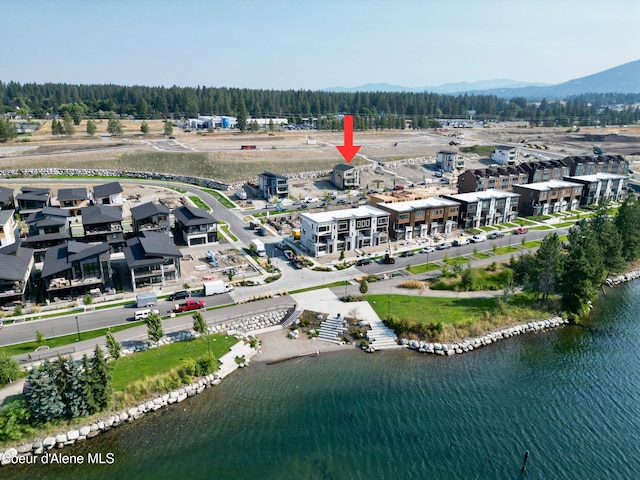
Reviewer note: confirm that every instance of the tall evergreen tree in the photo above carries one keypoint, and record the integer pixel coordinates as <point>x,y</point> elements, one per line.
<point>42,395</point>
<point>67,125</point>
<point>549,264</point>
<point>7,130</point>
<point>154,327</point>
<point>199,323</point>
<point>115,350</point>
<point>241,114</point>
<point>100,379</point>
<point>87,386</point>
<point>144,127</point>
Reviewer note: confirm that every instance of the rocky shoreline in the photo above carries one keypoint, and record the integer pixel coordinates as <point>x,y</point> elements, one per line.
<point>620,279</point>
<point>448,349</point>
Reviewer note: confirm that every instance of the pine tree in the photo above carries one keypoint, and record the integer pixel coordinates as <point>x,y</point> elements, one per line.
<point>199,324</point>
<point>115,350</point>
<point>364,286</point>
<point>42,395</point>
<point>144,127</point>
<point>241,115</point>
<point>67,125</point>
<point>114,126</point>
<point>100,380</point>
<point>87,386</point>
<point>154,327</point>
<point>168,128</point>
<point>7,130</point>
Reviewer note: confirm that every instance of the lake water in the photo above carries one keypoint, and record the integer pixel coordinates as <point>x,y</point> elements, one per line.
<point>571,397</point>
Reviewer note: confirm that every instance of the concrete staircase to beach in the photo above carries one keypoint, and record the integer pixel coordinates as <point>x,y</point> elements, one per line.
<point>331,329</point>
<point>381,337</point>
<point>228,361</point>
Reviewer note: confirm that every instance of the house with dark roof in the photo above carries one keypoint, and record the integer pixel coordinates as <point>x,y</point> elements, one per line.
<point>195,226</point>
<point>581,165</point>
<point>108,194</point>
<point>47,228</point>
<point>498,178</point>
<point>31,199</point>
<point>273,184</point>
<point>545,170</point>
<point>7,199</point>
<point>15,274</point>
<point>420,218</point>
<point>345,176</point>
<point>74,268</point>
<point>103,223</point>
<point>152,259</point>
<point>73,199</point>
<point>8,228</point>
<point>151,217</point>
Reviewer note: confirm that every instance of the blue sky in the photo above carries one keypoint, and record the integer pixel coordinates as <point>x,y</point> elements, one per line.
<point>300,44</point>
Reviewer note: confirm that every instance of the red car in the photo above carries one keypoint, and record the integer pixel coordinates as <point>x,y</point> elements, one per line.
<point>520,231</point>
<point>398,187</point>
<point>191,304</point>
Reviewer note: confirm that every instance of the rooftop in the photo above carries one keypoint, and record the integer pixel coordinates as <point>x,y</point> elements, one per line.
<point>484,195</point>
<point>98,214</point>
<point>360,212</point>
<point>79,193</point>
<point>147,210</point>
<point>550,185</point>
<point>113,188</point>
<point>409,206</point>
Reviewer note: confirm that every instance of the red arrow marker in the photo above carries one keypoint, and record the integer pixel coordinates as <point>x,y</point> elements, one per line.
<point>348,150</point>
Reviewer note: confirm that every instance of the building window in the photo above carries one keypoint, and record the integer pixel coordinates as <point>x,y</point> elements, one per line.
<point>363,223</point>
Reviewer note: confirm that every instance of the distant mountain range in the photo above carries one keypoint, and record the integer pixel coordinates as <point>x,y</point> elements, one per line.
<point>621,79</point>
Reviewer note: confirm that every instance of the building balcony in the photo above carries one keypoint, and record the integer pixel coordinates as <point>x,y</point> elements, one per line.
<point>57,284</point>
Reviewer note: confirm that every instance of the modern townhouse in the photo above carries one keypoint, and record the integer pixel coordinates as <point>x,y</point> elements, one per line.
<point>152,259</point>
<point>488,207</point>
<point>544,198</point>
<point>195,226</point>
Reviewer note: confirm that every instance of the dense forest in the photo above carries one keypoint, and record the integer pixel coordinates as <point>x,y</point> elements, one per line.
<point>371,110</point>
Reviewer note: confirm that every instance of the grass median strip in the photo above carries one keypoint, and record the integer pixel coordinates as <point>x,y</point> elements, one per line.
<point>55,342</point>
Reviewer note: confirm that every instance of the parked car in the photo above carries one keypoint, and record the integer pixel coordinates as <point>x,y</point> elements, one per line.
<point>289,254</point>
<point>143,314</point>
<point>443,246</point>
<point>478,238</point>
<point>520,231</point>
<point>191,304</point>
<point>407,253</point>
<point>494,235</point>
<point>179,295</point>
<point>459,242</point>
<point>363,261</point>
<point>398,187</point>
<point>427,250</point>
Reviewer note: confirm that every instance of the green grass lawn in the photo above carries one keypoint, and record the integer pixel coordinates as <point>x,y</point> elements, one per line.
<point>564,224</point>
<point>199,202</point>
<point>225,228</point>
<point>220,197</point>
<point>341,283</point>
<point>179,190</point>
<point>482,150</point>
<point>532,244</point>
<point>541,227</point>
<point>525,221</point>
<point>504,250</point>
<point>30,347</point>
<point>430,309</point>
<point>423,267</point>
<point>160,360</point>
<point>453,261</point>
<point>481,255</point>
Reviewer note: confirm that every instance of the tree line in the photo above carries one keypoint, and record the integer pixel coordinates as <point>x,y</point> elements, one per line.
<point>375,109</point>
<point>595,248</point>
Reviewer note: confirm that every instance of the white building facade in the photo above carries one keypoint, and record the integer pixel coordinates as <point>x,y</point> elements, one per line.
<point>349,229</point>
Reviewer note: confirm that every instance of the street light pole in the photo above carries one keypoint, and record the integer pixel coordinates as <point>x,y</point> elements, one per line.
<point>78,328</point>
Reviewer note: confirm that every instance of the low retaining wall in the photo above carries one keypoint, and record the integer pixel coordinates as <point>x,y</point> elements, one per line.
<point>473,343</point>
<point>77,172</point>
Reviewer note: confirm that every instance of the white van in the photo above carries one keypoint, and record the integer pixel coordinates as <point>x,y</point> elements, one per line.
<point>143,314</point>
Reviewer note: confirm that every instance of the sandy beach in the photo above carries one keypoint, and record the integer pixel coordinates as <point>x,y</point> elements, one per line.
<point>276,346</point>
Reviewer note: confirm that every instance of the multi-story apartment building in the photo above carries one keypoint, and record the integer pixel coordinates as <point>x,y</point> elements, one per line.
<point>497,178</point>
<point>195,226</point>
<point>505,155</point>
<point>489,207</point>
<point>421,218</point>
<point>543,198</point>
<point>607,187</point>
<point>328,232</point>
<point>588,165</point>
<point>545,170</point>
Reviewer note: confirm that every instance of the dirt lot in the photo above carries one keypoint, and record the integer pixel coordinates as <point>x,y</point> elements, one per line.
<point>218,155</point>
